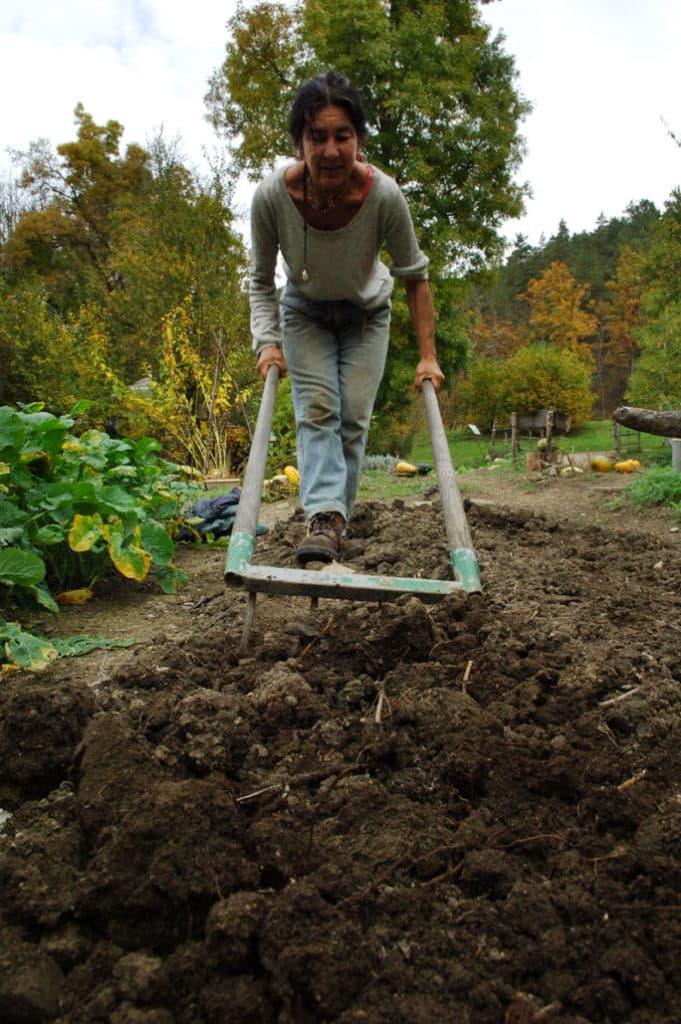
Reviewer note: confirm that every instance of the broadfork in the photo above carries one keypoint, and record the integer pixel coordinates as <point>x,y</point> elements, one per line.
<point>241,573</point>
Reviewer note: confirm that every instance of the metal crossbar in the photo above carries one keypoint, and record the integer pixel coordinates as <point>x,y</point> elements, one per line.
<point>240,572</point>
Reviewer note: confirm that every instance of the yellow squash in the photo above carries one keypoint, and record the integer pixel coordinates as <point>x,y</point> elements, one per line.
<point>600,464</point>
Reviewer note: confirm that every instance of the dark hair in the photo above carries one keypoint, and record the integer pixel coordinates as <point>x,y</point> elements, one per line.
<point>331,89</point>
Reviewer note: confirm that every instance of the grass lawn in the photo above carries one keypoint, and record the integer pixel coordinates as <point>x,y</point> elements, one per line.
<point>470,451</point>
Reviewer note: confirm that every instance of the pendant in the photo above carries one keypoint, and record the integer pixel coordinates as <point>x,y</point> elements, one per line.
<point>304,277</point>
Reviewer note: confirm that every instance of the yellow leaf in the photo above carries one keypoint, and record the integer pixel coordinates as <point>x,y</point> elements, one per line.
<point>81,596</point>
<point>85,531</point>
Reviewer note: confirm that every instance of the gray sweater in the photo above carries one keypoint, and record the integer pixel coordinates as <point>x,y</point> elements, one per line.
<point>342,264</point>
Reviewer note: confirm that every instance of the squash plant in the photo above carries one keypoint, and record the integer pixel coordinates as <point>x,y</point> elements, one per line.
<point>74,508</point>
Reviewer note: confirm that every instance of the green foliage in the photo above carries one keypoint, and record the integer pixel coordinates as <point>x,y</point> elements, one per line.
<point>534,377</point>
<point>282,449</point>
<point>656,380</point>
<point>590,256</point>
<point>29,330</point>
<point>542,377</point>
<point>660,486</point>
<point>114,246</point>
<point>483,394</point>
<point>72,508</point>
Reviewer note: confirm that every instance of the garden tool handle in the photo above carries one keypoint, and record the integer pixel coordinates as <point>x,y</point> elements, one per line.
<point>254,478</point>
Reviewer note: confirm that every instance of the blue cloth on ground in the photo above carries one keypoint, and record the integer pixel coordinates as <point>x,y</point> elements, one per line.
<point>217,517</point>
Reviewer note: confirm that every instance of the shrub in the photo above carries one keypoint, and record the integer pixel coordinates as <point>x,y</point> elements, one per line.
<point>73,509</point>
<point>659,486</point>
<point>545,377</point>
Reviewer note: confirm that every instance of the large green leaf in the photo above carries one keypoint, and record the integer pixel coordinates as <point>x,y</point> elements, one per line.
<point>118,499</point>
<point>47,536</point>
<point>146,446</point>
<point>170,579</point>
<point>21,568</point>
<point>21,477</point>
<point>42,597</point>
<point>45,433</point>
<point>56,494</point>
<point>84,492</point>
<point>157,541</point>
<point>11,514</point>
<point>80,407</point>
<point>123,472</point>
<point>12,430</point>
<point>26,650</point>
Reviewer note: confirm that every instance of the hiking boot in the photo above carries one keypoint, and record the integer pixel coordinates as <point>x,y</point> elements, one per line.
<point>323,541</point>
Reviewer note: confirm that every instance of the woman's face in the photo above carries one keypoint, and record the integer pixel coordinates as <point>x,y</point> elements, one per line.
<point>330,148</point>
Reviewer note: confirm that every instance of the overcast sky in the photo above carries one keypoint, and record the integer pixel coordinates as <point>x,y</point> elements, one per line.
<point>603,76</point>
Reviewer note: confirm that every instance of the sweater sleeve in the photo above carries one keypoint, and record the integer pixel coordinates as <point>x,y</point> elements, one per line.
<point>265,328</point>
<point>408,261</point>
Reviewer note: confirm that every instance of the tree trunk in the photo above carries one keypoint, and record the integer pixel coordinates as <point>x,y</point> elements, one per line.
<point>665,424</point>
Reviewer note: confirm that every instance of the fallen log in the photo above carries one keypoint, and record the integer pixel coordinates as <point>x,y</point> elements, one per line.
<point>664,424</point>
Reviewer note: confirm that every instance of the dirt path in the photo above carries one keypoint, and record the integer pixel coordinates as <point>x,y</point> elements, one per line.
<point>465,812</point>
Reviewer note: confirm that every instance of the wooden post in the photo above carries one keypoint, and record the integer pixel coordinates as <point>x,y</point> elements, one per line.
<point>514,438</point>
<point>676,454</point>
<point>549,434</point>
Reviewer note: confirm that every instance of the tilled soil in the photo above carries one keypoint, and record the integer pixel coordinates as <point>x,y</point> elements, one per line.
<point>461,812</point>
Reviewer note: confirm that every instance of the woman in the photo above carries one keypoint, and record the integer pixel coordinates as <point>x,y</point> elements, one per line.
<point>329,214</point>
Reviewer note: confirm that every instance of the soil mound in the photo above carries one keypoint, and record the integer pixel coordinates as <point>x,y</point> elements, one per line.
<point>464,812</point>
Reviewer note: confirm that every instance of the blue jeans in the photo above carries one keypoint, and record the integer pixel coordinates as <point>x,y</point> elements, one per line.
<point>335,353</point>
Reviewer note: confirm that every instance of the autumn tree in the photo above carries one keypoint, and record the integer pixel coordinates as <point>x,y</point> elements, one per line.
<point>621,313</point>
<point>176,241</point>
<point>12,206</point>
<point>133,234</point>
<point>113,249</point>
<point>75,193</point>
<point>491,336</point>
<point>619,317</point>
<point>560,313</point>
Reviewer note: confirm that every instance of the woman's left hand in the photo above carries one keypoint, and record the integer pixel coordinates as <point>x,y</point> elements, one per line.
<point>428,369</point>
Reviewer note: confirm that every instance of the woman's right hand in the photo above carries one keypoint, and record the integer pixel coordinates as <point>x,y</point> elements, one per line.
<point>271,355</point>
